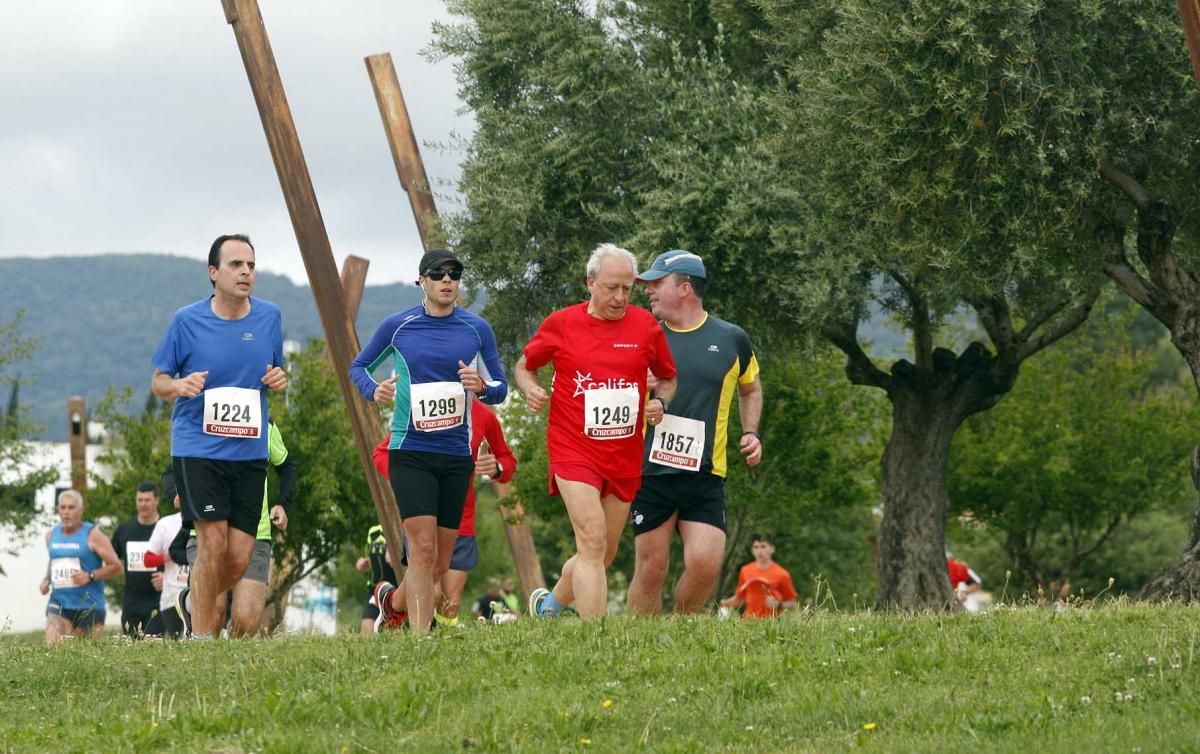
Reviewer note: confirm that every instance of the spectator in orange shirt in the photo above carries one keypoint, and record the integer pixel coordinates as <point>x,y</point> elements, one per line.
<point>764,587</point>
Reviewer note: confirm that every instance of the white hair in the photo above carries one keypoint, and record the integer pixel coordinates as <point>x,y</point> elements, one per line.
<point>607,251</point>
<point>71,493</point>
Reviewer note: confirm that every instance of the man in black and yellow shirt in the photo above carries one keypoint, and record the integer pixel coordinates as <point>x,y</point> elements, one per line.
<point>683,477</point>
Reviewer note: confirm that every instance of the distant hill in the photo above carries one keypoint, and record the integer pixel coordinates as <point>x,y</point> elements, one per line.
<point>99,318</point>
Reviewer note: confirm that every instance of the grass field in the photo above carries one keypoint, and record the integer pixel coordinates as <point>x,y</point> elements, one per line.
<point>1117,678</point>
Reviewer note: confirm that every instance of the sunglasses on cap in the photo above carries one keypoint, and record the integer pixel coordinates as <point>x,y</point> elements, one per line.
<point>455,273</point>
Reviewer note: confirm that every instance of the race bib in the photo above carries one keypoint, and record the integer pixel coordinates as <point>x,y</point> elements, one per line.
<point>181,575</point>
<point>610,413</point>
<point>135,557</point>
<point>678,443</point>
<point>438,405</point>
<point>232,412</point>
<point>61,571</point>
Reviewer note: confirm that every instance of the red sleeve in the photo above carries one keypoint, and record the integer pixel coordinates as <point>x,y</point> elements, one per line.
<point>504,456</point>
<point>153,559</point>
<point>381,456</point>
<point>663,363</point>
<point>540,349</point>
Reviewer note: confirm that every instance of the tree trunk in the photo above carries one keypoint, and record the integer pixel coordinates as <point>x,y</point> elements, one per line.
<point>912,555</point>
<point>1182,580</point>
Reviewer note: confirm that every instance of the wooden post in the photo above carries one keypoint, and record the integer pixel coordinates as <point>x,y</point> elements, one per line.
<point>354,280</point>
<point>411,171</point>
<point>405,152</point>
<point>77,437</point>
<point>340,336</point>
<point>1189,14</point>
<point>520,541</point>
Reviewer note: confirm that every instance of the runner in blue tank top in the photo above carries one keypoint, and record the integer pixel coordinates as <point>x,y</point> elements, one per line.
<point>444,357</point>
<point>81,558</point>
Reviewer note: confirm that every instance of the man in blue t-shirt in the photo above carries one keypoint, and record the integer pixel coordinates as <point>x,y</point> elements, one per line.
<point>217,360</point>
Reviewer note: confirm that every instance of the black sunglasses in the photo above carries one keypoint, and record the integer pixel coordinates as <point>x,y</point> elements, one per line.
<point>455,273</point>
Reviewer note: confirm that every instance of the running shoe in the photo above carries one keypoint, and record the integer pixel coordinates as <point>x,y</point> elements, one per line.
<point>389,619</point>
<point>181,610</point>
<point>536,598</point>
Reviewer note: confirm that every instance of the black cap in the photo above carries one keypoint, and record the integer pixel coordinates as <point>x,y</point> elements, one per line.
<point>436,258</point>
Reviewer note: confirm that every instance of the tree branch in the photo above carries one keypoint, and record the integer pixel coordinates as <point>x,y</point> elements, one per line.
<point>1040,318</point>
<point>1080,555</point>
<point>1125,182</point>
<point>922,327</point>
<point>859,368</point>
<point>1075,316</point>
<point>996,318</point>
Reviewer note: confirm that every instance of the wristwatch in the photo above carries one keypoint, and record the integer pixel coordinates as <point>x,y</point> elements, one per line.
<point>664,403</point>
<point>91,577</point>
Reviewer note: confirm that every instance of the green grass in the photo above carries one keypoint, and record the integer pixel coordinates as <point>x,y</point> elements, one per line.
<point>1117,678</point>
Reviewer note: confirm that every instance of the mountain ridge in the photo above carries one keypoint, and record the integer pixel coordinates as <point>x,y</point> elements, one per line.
<point>98,318</point>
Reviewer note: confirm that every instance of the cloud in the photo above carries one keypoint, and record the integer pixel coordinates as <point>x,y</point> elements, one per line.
<point>130,126</point>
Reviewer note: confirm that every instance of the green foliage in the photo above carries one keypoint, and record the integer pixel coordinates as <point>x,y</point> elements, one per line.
<point>818,480</point>
<point>138,450</point>
<point>1085,445</point>
<point>20,479</point>
<point>1109,679</point>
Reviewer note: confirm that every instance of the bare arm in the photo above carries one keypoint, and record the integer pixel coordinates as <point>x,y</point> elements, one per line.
<point>734,601</point>
<point>44,587</point>
<point>664,388</point>
<point>750,403</point>
<point>526,379</point>
<point>101,545</point>
<point>168,388</point>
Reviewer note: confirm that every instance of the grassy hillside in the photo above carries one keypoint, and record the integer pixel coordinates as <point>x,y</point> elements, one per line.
<point>1112,679</point>
<point>99,318</point>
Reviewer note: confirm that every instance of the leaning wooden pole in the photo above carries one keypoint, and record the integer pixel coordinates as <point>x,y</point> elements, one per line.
<point>354,281</point>
<point>406,154</point>
<point>1189,14</point>
<point>340,336</point>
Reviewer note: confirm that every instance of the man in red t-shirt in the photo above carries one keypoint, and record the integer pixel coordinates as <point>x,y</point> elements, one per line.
<point>492,459</point>
<point>764,586</point>
<point>602,351</point>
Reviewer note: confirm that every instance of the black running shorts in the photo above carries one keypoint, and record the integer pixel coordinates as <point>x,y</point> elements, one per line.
<point>430,484</point>
<point>230,491</point>
<point>697,495</point>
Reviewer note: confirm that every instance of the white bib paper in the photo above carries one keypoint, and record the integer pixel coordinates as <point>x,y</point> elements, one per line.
<point>678,443</point>
<point>61,571</point>
<point>438,405</point>
<point>135,556</point>
<point>610,413</point>
<point>232,412</point>
<point>181,574</point>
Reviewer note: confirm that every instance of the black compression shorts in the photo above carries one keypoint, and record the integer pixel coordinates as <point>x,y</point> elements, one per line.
<point>430,484</point>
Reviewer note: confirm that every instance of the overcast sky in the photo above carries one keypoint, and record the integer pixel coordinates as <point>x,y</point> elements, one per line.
<point>129,126</point>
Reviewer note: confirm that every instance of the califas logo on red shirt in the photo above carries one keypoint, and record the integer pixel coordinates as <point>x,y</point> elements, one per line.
<point>585,382</point>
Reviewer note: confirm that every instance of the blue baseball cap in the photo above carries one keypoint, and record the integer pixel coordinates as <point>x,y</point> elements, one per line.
<point>675,260</point>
